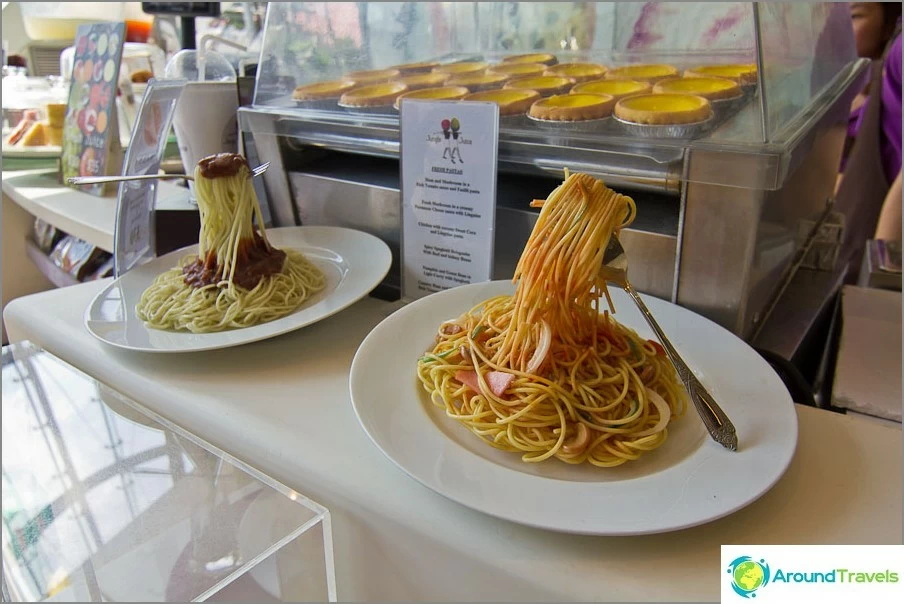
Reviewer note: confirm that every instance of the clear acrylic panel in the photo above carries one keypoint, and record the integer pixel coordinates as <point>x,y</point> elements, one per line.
<point>104,500</point>
<point>804,46</point>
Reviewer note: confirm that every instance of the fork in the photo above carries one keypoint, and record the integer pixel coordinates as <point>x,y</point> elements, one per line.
<point>615,269</point>
<point>94,180</point>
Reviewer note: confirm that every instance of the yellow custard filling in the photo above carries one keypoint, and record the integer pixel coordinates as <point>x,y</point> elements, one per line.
<point>518,69</point>
<point>371,76</point>
<point>416,67</point>
<point>614,87</point>
<point>726,71</point>
<point>541,83</point>
<point>377,90</point>
<point>577,69</point>
<point>446,92</point>
<point>502,96</point>
<point>545,58</point>
<point>664,102</point>
<point>424,80</point>
<point>721,87</point>
<point>642,72</point>
<point>474,79</point>
<point>459,68</point>
<point>322,89</point>
<point>575,100</point>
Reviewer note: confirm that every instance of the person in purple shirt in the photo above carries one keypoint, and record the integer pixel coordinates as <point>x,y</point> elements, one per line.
<point>877,27</point>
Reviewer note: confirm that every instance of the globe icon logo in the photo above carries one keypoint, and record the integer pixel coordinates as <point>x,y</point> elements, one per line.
<point>748,575</point>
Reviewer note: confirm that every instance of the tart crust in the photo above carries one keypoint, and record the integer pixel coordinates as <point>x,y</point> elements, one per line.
<point>663,109</point>
<point>371,76</point>
<point>413,68</point>
<point>518,70</point>
<point>377,95</point>
<point>476,82</point>
<point>511,102</point>
<point>541,57</point>
<point>445,93</point>
<point>423,80</point>
<point>462,68</point>
<point>742,73</point>
<point>714,89</point>
<point>648,72</point>
<point>545,85</point>
<point>616,88</point>
<point>573,107</point>
<point>579,72</point>
<point>319,91</point>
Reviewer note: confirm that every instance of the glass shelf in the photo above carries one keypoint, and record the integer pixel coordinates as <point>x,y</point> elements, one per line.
<point>103,500</point>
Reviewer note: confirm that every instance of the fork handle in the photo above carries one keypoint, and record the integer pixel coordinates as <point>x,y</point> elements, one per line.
<point>717,423</point>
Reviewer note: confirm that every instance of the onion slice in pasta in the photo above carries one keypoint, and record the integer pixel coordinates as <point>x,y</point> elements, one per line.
<point>665,414</point>
<point>542,348</point>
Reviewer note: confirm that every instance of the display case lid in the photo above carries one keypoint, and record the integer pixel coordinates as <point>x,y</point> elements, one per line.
<point>105,500</point>
<point>797,62</point>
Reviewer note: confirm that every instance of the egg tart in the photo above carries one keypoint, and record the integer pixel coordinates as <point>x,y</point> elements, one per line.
<point>412,68</point>
<point>319,91</point>
<point>372,76</point>
<point>423,80</point>
<point>645,72</point>
<point>518,70</point>
<point>663,109</point>
<point>615,88</point>
<point>477,82</point>
<point>377,95</point>
<point>511,102</point>
<point>714,89</point>
<point>445,93</point>
<point>743,74</point>
<point>540,57</point>
<point>579,72</point>
<point>545,85</point>
<point>462,68</point>
<point>573,107</point>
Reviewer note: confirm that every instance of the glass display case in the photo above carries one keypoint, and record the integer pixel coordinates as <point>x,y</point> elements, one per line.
<point>103,501</point>
<point>795,66</point>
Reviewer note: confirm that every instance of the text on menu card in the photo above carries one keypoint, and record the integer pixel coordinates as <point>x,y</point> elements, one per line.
<point>448,165</point>
<point>133,230</point>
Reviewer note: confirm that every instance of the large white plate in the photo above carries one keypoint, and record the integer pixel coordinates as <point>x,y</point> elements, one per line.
<point>688,481</point>
<point>354,263</point>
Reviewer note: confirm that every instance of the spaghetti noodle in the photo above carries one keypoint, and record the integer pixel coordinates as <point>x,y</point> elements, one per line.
<point>237,279</point>
<point>544,373</point>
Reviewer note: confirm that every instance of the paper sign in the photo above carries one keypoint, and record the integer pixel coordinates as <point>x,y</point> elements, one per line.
<point>90,134</point>
<point>449,152</point>
<point>133,232</point>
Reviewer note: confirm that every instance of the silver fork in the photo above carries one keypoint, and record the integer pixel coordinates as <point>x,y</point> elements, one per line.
<point>615,269</point>
<point>94,180</point>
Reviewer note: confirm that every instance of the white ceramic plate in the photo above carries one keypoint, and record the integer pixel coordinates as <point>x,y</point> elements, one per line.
<point>354,263</point>
<point>688,481</point>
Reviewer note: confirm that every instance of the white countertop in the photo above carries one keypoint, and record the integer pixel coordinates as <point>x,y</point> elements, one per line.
<point>283,406</point>
<point>75,212</point>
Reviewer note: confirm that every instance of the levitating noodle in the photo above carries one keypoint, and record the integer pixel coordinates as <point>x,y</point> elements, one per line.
<point>544,372</point>
<point>237,279</point>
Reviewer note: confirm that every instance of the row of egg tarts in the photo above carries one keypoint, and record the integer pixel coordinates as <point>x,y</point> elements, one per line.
<point>545,89</point>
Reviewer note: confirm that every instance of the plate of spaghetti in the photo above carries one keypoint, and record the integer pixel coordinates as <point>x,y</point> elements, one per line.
<point>535,401</point>
<point>241,283</point>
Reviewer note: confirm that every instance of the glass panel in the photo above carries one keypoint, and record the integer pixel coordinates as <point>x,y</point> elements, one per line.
<point>104,500</point>
<point>804,46</point>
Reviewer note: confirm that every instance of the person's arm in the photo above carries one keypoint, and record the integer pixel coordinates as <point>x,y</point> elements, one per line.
<point>889,226</point>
